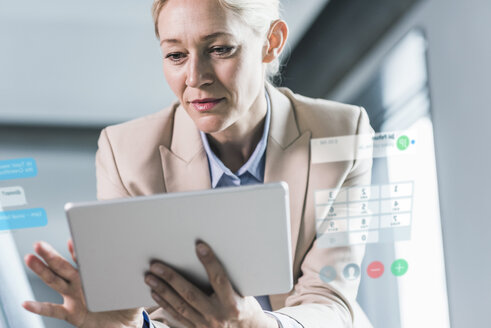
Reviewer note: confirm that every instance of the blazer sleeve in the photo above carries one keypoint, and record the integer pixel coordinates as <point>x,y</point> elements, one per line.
<point>109,183</point>
<point>314,303</point>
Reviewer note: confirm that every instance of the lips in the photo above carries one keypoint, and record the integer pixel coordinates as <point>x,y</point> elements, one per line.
<point>205,104</point>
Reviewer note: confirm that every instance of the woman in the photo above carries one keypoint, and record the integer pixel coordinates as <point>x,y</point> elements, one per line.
<point>229,127</point>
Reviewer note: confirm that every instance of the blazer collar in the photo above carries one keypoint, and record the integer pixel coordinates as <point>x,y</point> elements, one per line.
<point>184,163</point>
<point>283,129</point>
<point>186,140</point>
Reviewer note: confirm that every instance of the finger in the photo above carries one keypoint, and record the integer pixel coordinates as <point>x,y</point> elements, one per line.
<point>55,261</point>
<point>46,309</point>
<point>189,292</point>
<point>71,249</point>
<point>165,292</point>
<point>171,311</point>
<point>218,277</point>
<point>49,277</point>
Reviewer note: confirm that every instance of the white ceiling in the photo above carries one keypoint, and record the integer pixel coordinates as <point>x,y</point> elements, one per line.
<point>90,62</point>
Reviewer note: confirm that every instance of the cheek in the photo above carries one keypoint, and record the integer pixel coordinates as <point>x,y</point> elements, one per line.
<point>239,74</point>
<point>175,79</point>
<point>250,73</point>
<point>229,73</point>
<point>252,65</point>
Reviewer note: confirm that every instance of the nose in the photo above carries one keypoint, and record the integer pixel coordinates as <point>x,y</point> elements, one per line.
<point>199,72</point>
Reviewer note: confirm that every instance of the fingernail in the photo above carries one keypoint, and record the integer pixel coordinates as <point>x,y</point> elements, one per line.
<point>43,245</point>
<point>152,282</point>
<point>202,249</point>
<point>157,268</point>
<point>32,306</point>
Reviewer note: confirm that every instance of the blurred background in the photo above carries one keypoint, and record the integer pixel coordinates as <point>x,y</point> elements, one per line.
<point>69,68</point>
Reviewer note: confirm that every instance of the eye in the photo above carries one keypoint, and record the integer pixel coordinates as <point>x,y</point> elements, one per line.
<point>175,57</point>
<point>222,50</point>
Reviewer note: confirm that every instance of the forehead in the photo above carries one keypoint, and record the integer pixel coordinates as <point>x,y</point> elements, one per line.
<point>190,19</point>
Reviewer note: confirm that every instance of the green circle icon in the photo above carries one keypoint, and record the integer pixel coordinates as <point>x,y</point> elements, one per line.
<point>402,142</point>
<point>399,267</point>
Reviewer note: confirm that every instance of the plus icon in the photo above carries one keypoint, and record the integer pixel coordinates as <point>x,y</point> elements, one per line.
<point>399,267</point>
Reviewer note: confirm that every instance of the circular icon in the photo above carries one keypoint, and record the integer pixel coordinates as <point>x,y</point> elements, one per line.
<point>399,267</point>
<point>328,274</point>
<point>402,142</point>
<point>351,271</point>
<point>375,269</point>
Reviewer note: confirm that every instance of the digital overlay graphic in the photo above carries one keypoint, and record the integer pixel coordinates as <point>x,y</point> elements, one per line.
<point>14,211</point>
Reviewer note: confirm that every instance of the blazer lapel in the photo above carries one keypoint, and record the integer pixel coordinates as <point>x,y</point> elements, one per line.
<point>185,164</point>
<point>288,157</point>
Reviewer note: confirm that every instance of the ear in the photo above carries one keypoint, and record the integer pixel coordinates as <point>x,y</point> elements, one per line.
<point>277,35</point>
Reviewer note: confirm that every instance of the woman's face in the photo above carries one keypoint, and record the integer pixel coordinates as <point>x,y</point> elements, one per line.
<point>213,63</point>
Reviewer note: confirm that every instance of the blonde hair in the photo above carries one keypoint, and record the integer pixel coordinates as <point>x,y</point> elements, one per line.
<point>257,14</point>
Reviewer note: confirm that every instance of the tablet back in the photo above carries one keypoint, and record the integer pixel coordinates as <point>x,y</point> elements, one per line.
<point>247,227</point>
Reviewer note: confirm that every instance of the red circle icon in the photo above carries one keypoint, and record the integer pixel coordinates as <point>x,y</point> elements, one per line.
<point>375,269</point>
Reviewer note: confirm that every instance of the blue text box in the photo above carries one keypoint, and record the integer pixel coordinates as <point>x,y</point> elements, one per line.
<point>19,219</point>
<point>18,168</point>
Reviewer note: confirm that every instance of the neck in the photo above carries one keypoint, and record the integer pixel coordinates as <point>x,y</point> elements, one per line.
<point>235,145</point>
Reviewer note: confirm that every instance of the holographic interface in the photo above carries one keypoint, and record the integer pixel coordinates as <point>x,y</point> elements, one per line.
<point>364,214</point>
<point>14,198</point>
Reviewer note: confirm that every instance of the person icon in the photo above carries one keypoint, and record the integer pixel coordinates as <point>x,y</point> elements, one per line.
<point>351,271</point>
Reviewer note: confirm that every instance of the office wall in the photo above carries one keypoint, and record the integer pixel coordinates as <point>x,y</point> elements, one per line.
<point>78,63</point>
<point>459,53</point>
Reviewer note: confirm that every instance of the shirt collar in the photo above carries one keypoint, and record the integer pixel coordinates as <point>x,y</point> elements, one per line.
<point>255,163</point>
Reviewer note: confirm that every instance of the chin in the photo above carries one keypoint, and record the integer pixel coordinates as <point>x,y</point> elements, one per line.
<point>210,125</point>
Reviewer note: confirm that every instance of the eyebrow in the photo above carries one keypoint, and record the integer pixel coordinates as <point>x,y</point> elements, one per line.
<point>204,38</point>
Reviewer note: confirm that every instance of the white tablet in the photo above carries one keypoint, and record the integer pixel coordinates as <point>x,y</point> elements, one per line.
<point>247,227</point>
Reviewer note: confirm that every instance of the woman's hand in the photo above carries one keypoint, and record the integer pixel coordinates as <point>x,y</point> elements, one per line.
<point>190,306</point>
<point>61,276</point>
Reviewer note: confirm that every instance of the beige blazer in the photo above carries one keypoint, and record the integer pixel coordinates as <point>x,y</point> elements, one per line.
<point>163,153</point>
